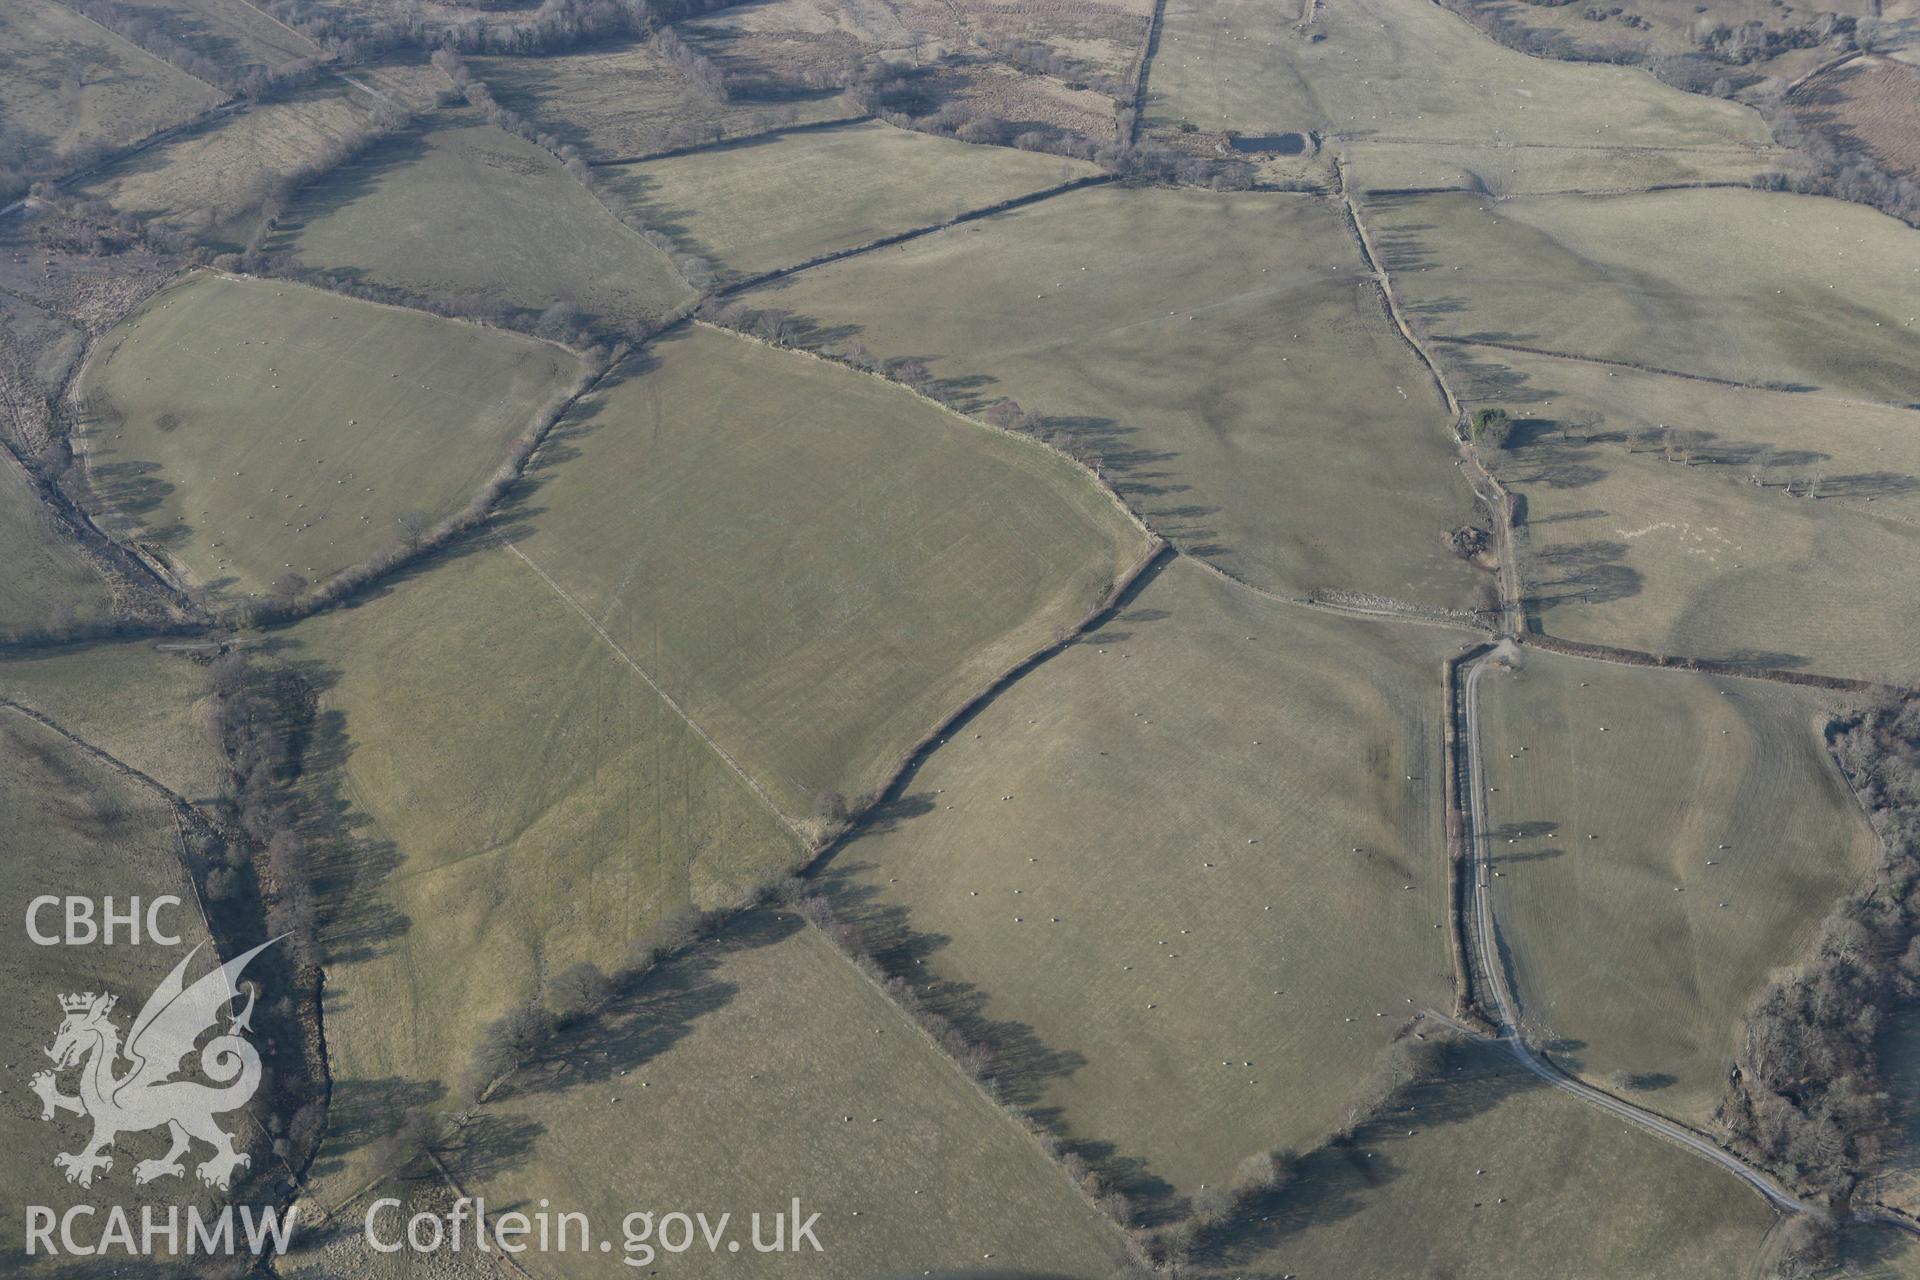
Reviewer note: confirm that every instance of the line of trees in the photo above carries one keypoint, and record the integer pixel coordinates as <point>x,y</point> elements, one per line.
<point>696,270</point>
<point>293,597</point>
<point>973,1055</point>
<point>1807,1097</point>
<point>260,882</point>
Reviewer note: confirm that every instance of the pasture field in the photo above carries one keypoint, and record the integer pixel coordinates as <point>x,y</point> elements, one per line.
<point>1624,547</point>
<point>233,34</point>
<point>1755,287</point>
<point>781,201</point>
<point>1534,170</point>
<point>67,84</point>
<point>1196,856</point>
<point>465,210</point>
<point>250,428</point>
<point>209,182</point>
<point>1241,386</point>
<point>817,565</point>
<point>72,825</point>
<point>498,803</point>
<point>45,571</point>
<point>1409,71</point>
<point>764,1067</point>
<point>616,102</point>
<point>1484,1171</point>
<point>1663,843</point>
<point>141,704</point>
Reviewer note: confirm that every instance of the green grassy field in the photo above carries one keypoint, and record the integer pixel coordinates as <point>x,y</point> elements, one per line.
<point>1404,70</point>
<point>1721,837</point>
<point>66,83</point>
<point>248,428</point>
<point>617,102</point>
<point>1752,286</point>
<point>45,572</point>
<point>1527,170</point>
<point>1624,547</point>
<point>210,181</point>
<point>139,703</point>
<point>74,826</point>
<point>497,804</point>
<point>761,205</point>
<point>1241,385</point>
<point>762,1068</point>
<point>464,210</point>
<point>1184,860</point>
<point>818,566</point>
<point>1483,1171</point>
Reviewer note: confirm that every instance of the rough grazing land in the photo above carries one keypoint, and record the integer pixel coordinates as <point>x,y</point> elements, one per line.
<point>1197,855</point>
<point>1241,385</point>
<point>1409,71</point>
<point>765,1067</point>
<point>1752,286</point>
<point>141,704</point>
<point>818,566</point>
<point>1874,104</point>
<point>234,34</point>
<point>250,428</point>
<point>1484,1171</point>
<point>210,181</point>
<point>1663,842</point>
<point>465,211</point>
<point>759,206</point>
<point>1679,516</point>
<point>67,84</point>
<point>72,825</point>
<point>619,101</point>
<point>501,796</point>
<point>45,572</point>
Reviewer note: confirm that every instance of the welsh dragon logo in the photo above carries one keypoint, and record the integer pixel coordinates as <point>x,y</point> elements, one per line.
<point>146,1095</point>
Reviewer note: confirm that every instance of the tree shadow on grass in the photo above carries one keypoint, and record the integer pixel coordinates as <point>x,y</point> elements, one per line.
<point>1351,1176</point>
<point>648,1015</point>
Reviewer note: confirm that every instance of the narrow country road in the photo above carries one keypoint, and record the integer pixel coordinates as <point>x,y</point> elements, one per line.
<point>1493,978</point>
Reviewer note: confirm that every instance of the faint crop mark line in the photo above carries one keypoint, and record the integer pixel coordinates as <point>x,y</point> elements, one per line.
<point>663,695</point>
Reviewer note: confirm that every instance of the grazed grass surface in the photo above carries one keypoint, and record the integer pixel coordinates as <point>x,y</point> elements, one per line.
<point>1240,384</point>
<point>1182,860</point>
<point>1623,546</point>
<point>141,704</point>
<point>234,34</point>
<point>767,1045</point>
<point>1483,1170</point>
<point>1636,939</point>
<point>762,205</point>
<point>496,806</point>
<point>817,565</point>
<point>73,826</point>
<point>1753,286</point>
<point>464,211</point>
<point>1506,171</point>
<point>44,571</point>
<point>249,428</point>
<point>66,83</point>
<point>619,101</point>
<point>1407,70</point>
<point>210,181</point>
